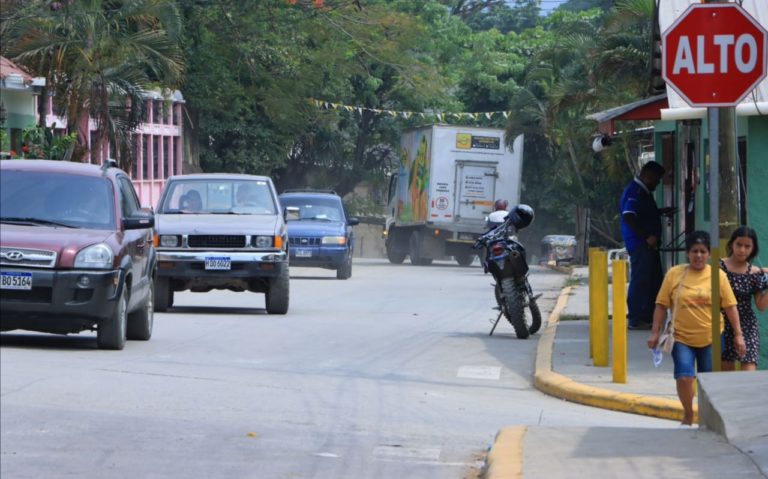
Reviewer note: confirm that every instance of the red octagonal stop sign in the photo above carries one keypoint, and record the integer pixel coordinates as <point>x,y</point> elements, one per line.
<point>714,54</point>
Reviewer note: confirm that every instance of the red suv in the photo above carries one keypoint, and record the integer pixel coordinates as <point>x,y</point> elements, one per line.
<point>76,251</point>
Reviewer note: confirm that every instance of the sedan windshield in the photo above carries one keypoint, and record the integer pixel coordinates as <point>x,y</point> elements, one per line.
<point>43,198</point>
<point>316,209</point>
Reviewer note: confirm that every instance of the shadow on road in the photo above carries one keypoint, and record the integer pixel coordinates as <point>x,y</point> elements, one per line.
<point>48,341</point>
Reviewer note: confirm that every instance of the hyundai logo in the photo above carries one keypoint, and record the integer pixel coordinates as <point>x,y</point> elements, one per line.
<point>14,255</point>
<point>304,241</point>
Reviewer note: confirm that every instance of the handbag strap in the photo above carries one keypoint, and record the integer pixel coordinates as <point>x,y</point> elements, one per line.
<point>676,301</point>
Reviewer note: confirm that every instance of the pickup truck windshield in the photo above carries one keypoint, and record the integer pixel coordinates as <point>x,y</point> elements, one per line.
<point>248,197</point>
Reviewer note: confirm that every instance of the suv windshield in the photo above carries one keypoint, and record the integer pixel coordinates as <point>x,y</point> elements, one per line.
<point>319,209</point>
<point>46,198</point>
<point>218,197</point>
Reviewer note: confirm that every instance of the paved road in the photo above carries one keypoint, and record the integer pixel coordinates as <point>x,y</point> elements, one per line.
<point>388,374</point>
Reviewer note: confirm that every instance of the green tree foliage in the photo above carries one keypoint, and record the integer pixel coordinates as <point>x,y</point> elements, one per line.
<point>98,58</point>
<point>251,95</point>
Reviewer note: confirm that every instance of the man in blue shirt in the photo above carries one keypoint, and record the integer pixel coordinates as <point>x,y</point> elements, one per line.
<point>641,230</point>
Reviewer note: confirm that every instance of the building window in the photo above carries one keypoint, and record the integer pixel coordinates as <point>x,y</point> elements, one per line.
<point>156,149</point>
<point>145,156</point>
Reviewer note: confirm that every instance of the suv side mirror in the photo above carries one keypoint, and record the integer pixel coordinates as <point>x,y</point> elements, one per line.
<point>353,220</point>
<point>291,213</point>
<point>139,220</point>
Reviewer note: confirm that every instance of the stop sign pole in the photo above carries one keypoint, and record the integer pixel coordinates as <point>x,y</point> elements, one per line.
<point>713,55</point>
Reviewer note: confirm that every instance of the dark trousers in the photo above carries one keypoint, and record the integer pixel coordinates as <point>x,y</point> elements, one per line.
<point>644,283</point>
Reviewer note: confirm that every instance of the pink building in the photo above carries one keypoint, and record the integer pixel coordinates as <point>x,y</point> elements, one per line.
<point>159,145</point>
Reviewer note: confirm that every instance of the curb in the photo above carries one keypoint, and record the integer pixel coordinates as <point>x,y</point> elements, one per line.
<point>505,460</point>
<point>563,387</point>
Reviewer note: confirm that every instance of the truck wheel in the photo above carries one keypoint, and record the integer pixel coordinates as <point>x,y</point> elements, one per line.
<point>110,333</point>
<point>140,322</point>
<point>395,257</point>
<point>163,295</point>
<point>344,271</point>
<point>276,297</point>
<point>465,259</point>
<point>414,250</point>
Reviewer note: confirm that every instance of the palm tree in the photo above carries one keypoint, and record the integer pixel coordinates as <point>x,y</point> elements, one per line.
<point>98,58</point>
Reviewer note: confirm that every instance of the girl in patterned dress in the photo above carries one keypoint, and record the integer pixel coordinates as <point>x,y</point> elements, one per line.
<point>747,281</point>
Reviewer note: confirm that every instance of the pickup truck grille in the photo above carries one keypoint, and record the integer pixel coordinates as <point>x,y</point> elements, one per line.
<point>304,241</point>
<point>216,241</point>
<point>34,258</point>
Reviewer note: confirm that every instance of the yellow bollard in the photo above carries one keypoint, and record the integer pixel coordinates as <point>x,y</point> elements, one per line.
<point>591,262</point>
<point>619,321</point>
<point>600,319</point>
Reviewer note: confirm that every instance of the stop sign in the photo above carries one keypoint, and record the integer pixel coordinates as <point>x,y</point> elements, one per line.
<point>714,54</point>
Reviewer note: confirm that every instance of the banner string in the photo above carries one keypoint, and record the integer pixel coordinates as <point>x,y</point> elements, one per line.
<point>440,115</point>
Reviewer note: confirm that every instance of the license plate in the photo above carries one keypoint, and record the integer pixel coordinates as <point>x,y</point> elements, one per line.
<point>303,253</point>
<point>15,280</point>
<point>221,263</point>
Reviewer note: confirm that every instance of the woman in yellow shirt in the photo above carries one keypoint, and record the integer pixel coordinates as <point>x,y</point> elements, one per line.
<point>692,351</point>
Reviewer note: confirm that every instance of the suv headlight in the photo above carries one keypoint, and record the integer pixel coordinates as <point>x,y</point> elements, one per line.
<point>338,240</point>
<point>169,241</point>
<point>262,241</point>
<point>98,256</point>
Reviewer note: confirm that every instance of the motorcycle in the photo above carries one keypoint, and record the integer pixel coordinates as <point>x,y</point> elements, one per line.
<point>505,259</point>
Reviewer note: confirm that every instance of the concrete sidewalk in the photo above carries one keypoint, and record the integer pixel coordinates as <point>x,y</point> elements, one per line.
<point>731,442</point>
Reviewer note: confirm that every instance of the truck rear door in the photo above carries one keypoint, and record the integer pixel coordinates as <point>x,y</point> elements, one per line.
<point>476,184</point>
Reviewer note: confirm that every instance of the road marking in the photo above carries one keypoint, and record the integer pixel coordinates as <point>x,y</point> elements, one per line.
<point>428,453</point>
<point>479,372</point>
<point>326,454</point>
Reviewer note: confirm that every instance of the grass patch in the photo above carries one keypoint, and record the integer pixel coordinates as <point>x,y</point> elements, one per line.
<point>571,281</point>
<point>573,317</point>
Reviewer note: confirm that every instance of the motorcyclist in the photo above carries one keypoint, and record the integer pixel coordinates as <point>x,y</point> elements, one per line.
<point>497,216</point>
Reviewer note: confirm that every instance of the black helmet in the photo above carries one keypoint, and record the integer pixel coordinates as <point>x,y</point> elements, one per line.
<point>500,205</point>
<point>521,216</point>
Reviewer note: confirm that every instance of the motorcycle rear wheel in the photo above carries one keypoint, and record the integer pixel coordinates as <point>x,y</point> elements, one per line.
<point>513,304</point>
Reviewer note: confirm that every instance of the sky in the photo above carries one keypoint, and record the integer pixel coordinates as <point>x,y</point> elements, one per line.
<point>546,5</point>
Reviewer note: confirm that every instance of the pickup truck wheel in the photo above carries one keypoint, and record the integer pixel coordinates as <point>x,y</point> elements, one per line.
<point>345,270</point>
<point>140,322</point>
<point>163,295</point>
<point>276,297</point>
<point>110,333</point>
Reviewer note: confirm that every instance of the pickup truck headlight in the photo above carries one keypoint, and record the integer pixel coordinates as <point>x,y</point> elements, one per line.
<point>169,241</point>
<point>337,240</point>
<point>98,256</point>
<point>262,241</point>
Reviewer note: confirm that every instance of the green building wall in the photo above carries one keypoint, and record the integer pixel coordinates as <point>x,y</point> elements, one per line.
<point>756,130</point>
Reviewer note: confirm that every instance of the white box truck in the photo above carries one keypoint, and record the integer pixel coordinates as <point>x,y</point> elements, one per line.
<point>446,184</point>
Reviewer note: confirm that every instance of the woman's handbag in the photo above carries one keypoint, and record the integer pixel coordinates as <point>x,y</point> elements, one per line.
<point>667,338</point>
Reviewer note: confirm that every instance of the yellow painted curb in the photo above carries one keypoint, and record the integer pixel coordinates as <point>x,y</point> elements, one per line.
<point>505,461</point>
<point>563,387</point>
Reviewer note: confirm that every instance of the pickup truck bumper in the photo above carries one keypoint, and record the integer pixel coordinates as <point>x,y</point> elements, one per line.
<point>244,265</point>
<point>61,301</point>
